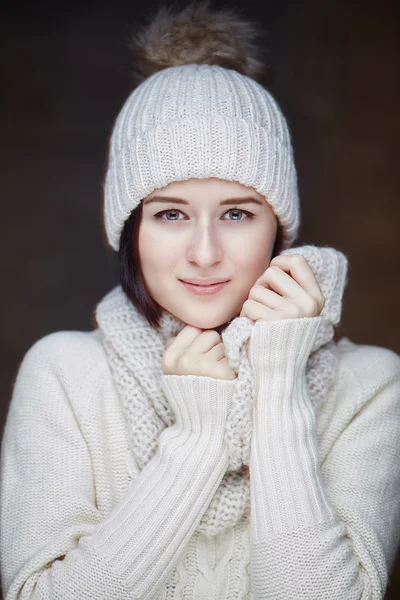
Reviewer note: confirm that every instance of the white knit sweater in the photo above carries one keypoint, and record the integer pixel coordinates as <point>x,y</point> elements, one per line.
<point>325,491</point>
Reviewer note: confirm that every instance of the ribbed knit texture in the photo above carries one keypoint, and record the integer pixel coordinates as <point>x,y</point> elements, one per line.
<point>200,121</point>
<point>279,367</point>
<point>81,519</point>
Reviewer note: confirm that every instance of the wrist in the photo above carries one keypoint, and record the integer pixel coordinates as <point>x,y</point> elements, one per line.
<point>199,403</point>
<point>283,344</point>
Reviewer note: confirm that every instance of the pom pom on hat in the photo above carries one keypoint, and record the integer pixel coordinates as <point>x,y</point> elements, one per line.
<point>198,35</point>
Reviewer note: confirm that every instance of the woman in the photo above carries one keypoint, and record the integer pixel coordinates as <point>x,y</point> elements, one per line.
<point>209,439</point>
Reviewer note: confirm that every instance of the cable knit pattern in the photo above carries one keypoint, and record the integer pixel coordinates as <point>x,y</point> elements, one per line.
<point>135,350</point>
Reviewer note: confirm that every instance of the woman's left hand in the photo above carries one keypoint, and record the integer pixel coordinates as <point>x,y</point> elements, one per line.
<point>287,289</point>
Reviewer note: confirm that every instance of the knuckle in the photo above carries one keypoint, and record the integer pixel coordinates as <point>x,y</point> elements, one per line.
<point>183,362</point>
<point>313,306</point>
<point>166,368</point>
<point>201,368</point>
<point>297,313</point>
<point>165,362</point>
<point>298,259</point>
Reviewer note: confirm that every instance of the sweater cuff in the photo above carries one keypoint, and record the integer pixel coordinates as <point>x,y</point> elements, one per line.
<point>287,489</point>
<point>282,345</point>
<point>200,403</point>
<point>147,531</point>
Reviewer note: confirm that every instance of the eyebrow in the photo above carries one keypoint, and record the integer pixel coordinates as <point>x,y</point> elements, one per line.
<point>169,199</point>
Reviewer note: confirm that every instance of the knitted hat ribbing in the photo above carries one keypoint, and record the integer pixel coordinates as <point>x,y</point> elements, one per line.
<point>200,121</point>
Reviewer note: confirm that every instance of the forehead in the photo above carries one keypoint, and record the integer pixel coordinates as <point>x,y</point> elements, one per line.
<point>212,187</point>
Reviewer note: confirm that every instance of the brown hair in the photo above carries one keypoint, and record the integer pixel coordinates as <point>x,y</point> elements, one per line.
<point>130,271</point>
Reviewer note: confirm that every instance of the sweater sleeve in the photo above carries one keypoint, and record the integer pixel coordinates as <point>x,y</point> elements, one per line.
<point>307,542</point>
<point>54,542</point>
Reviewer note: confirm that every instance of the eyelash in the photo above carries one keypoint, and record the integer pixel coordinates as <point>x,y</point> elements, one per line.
<point>163,212</point>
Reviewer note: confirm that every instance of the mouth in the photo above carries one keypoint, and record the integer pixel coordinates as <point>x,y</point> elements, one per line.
<point>204,290</point>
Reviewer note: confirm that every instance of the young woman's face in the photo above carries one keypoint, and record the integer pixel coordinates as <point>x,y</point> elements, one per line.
<point>203,231</point>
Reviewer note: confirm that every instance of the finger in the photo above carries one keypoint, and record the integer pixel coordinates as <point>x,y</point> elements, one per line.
<point>284,284</point>
<point>297,266</point>
<point>183,340</point>
<point>266,296</point>
<point>170,341</point>
<point>205,341</point>
<point>224,371</point>
<point>257,311</point>
<point>217,352</point>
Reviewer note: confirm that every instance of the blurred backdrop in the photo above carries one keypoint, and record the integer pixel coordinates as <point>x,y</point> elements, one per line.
<point>66,71</point>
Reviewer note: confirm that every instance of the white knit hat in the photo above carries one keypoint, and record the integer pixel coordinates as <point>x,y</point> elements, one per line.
<point>200,121</point>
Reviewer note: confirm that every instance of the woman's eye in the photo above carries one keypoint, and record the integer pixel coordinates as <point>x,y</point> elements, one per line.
<point>165,212</point>
<point>234,211</point>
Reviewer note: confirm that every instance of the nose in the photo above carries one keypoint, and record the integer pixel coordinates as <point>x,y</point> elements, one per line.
<point>204,246</point>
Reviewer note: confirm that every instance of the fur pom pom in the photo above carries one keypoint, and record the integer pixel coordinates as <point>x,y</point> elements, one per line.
<point>197,34</point>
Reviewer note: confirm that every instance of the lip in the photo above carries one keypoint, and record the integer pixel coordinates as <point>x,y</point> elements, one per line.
<point>204,290</point>
<point>205,282</point>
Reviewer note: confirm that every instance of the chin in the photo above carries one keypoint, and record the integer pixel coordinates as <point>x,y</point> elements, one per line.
<point>206,322</point>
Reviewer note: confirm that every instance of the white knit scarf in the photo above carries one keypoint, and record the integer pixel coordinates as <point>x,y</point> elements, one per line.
<point>134,350</point>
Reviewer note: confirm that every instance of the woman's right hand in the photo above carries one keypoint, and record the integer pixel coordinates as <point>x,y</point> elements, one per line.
<point>196,351</point>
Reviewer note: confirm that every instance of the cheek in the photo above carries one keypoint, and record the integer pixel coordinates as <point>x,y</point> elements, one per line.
<point>155,256</point>
<point>253,253</point>
<point>251,259</point>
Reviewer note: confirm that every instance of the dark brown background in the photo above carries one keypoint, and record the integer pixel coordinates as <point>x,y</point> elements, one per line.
<point>65,74</point>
